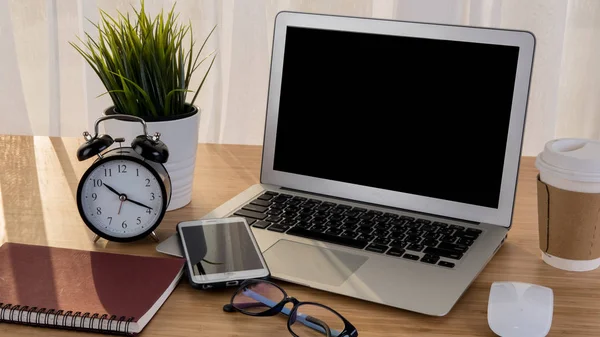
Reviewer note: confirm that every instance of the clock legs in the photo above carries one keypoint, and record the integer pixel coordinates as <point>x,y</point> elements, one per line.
<point>152,235</point>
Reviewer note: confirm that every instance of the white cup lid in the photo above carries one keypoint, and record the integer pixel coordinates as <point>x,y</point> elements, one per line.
<point>577,158</point>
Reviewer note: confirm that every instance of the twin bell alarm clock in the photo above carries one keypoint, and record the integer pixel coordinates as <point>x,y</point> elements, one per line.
<point>124,194</point>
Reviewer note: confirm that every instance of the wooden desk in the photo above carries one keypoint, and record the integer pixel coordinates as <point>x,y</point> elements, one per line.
<point>38,181</point>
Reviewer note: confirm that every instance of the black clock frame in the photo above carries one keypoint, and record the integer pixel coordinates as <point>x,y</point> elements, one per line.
<point>111,157</point>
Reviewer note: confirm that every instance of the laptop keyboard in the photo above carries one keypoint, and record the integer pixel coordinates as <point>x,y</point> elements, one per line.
<point>372,230</point>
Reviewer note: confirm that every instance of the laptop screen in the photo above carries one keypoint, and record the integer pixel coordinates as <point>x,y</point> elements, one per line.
<point>420,116</point>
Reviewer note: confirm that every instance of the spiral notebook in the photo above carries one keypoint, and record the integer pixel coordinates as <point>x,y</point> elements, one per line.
<point>82,290</point>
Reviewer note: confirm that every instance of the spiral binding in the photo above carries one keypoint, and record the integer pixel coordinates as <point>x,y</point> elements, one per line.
<point>23,315</point>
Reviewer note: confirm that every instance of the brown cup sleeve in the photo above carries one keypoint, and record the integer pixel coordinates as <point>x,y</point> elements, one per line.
<point>569,222</point>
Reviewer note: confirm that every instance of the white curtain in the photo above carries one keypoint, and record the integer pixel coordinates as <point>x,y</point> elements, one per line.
<point>47,89</point>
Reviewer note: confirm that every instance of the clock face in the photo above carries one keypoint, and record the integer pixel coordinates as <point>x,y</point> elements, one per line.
<point>121,198</point>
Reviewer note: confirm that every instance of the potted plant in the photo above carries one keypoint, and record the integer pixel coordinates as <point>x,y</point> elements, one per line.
<point>146,65</point>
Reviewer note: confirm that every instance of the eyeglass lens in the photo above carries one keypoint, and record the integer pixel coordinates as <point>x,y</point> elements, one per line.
<point>312,320</point>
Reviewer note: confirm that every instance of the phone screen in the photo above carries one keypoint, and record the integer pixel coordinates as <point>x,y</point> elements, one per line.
<point>220,248</point>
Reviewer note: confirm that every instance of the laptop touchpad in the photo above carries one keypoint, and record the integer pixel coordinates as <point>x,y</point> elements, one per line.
<point>311,263</point>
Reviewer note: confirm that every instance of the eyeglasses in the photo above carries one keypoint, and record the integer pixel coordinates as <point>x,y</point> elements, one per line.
<point>306,319</point>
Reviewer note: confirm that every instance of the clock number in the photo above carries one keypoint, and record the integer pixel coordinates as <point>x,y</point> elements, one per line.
<point>147,182</point>
<point>152,196</point>
<point>109,220</point>
<point>98,210</point>
<point>139,220</point>
<point>97,182</point>
<point>137,172</point>
<point>108,172</point>
<point>122,168</point>
<point>94,196</point>
<point>148,210</point>
<point>124,224</point>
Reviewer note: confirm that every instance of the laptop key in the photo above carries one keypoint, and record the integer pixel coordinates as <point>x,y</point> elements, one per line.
<point>473,230</point>
<point>271,193</point>
<point>266,196</point>
<point>415,247</point>
<point>366,223</point>
<point>288,222</point>
<point>352,221</point>
<point>349,234</point>
<point>323,207</point>
<point>304,224</point>
<point>274,211</point>
<point>365,230</point>
<point>432,259</point>
<point>278,228</point>
<point>382,241</point>
<point>261,224</point>
<point>250,214</point>
<point>446,264</point>
<point>259,202</point>
<point>366,237</point>
<point>465,235</point>
<point>399,244</point>
<point>351,213</point>
<point>287,196</point>
<point>273,218</point>
<point>319,229</point>
<point>336,217</point>
<point>366,216</point>
<point>404,217</point>
<point>413,239</point>
<point>381,233</point>
<point>457,227</point>
<point>392,215</point>
<point>440,224</point>
<point>299,198</point>
<point>423,221</point>
<point>430,242</point>
<point>411,257</point>
<point>280,199</point>
<point>466,242</point>
<point>395,251</point>
<point>337,211</point>
<point>344,207</point>
<point>292,209</point>
<point>444,253</point>
<point>377,248</point>
<point>277,206</point>
<point>360,244</point>
<point>293,202</point>
<point>449,239</point>
<point>455,247</point>
<point>359,209</point>
<point>334,231</point>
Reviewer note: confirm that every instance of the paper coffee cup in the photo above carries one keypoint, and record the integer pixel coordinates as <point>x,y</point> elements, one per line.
<point>569,204</point>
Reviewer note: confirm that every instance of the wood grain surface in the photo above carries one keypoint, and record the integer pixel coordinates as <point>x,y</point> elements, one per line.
<point>38,182</point>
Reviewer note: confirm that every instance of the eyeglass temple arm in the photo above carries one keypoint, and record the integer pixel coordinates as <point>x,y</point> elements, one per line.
<point>302,318</point>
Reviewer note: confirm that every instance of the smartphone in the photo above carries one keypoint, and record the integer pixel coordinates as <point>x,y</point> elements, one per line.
<point>220,252</point>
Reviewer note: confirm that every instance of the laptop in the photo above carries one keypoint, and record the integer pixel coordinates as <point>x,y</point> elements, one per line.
<point>390,156</point>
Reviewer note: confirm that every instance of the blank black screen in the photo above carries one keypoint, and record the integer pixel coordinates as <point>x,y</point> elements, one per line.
<point>220,248</point>
<point>420,116</point>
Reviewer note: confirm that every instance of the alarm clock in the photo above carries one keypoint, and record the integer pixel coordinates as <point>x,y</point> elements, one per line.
<point>124,194</point>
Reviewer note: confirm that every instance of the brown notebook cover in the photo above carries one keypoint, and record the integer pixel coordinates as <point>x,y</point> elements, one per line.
<point>77,289</point>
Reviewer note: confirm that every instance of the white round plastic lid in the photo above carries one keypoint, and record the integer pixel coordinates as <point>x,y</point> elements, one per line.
<point>578,159</point>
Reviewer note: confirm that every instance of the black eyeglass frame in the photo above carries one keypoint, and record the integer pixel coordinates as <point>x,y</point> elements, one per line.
<point>348,331</point>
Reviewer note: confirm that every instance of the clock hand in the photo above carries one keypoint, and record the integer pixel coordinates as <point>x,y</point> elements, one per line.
<point>112,190</point>
<point>139,204</point>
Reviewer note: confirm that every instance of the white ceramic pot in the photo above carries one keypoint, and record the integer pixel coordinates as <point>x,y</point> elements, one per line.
<point>181,137</point>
